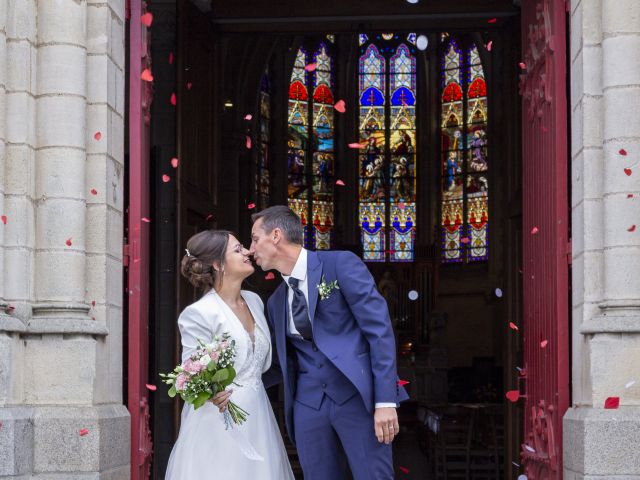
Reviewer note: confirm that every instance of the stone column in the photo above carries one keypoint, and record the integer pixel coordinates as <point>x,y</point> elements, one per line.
<point>598,442</point>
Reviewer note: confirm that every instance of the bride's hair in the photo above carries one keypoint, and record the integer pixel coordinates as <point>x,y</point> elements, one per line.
<point>205,249</point>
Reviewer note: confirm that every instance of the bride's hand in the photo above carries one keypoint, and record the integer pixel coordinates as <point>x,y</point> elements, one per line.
<point>221,399</point>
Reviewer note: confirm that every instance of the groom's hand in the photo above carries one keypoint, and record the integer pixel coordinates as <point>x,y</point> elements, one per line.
<point>386,424</point>
<point>221,399</point>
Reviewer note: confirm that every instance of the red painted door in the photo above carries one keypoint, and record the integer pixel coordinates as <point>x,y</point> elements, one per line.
<point>545,372</point>
<point>137,245</point>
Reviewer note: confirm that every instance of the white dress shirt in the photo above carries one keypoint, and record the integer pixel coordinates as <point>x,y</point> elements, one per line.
<point>300,272</point>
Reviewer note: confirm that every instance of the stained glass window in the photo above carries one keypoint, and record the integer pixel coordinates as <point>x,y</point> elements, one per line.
<point>311,145</point>
<point>464,159</point>
<point>263,179</point>
<point>387,126</point>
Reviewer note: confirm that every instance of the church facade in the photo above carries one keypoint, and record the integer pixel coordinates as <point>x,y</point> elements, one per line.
<point>97,97</point>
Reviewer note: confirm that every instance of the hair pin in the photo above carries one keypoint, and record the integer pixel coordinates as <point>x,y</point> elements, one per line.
<point>188,252</point>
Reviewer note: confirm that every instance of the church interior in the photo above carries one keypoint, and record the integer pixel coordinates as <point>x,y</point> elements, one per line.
<point>393,130</point>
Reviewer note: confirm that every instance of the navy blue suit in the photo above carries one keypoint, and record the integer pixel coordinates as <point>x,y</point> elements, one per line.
<point>332,383</point>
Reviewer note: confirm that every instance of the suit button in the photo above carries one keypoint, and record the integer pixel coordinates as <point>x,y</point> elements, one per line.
<point>315,349</point>
<point>324,385</point>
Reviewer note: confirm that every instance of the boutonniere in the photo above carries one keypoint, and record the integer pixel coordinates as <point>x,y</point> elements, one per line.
<point>325,289</point>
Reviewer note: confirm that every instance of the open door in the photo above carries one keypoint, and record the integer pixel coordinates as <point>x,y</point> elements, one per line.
<point>545,373</point>
<point>136,249</point>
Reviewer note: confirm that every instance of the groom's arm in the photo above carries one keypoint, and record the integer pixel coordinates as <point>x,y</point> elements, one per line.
<point>273,376</point>
<point>372,314</point>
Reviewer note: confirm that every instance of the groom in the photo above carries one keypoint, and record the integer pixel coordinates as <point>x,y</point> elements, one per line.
<point>335,351</point>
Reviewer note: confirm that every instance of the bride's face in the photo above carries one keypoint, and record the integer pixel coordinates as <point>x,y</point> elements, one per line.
<point>237,261</point>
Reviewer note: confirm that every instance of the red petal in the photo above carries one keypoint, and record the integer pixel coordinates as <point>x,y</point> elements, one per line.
<point>94,191</point>
<point>356,145</point>
<point>189,85</point>
<point>68,242</point>
<point>248,143</point>
<point>170,58</point>
<point>166,178</point>
<point>489,45</point>
<point>173,99</point>
<point>153,388</point>
<point>628,171</point>
<point>311,67</point>
<point>612,403</point>
<point>146,75</point>
<point>146,220</point>
<point>209,217</point>
<point>4,219</point>
<point>401,205</point>
<point>147,19</point>
<point>404,469</point>
<point>93,303</point>
<point>464,240</point>
<point>513,395</point>
<point>544,343</point>
<point>513,326</point>
<point>622,151</point>
<point>402,383</point>
<point>340,182</point>
<point>9,309</point>
<point>83,432</point>
<point>534,230</point>
<point>251,206</point>
<point>629,195</point>
<point>174,162</point>
<point>522,65</point>
<point>248,116</point>
<point>340,106</point>
<point>97,136</point>
<point>632,228</point>
<point>269,276</point>
<point>492,20</point>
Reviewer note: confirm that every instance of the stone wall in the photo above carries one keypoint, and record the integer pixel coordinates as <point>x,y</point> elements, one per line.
<point>62,69</point>
<point>605,106</point>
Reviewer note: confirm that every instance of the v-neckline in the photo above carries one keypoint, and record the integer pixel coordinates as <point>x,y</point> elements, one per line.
<point>253,317</point>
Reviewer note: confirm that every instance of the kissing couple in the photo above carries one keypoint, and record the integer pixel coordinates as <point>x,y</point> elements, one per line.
<point>328,339</point>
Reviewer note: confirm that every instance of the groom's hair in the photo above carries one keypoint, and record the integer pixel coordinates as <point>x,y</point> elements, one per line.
<point>282,217</point>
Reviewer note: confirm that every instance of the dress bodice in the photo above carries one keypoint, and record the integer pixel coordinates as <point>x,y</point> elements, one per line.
<point>250,372</point>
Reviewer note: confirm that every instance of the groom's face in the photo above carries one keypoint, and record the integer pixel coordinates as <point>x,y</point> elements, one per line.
<point>262,247</point>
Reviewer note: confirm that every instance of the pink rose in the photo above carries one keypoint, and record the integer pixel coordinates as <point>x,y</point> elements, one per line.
<point>214,356</point>
<point>181,381</point>
<point>224,345</point>
<point>192,367</point>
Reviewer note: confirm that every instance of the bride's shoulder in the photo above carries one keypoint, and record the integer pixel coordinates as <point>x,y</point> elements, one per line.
<point>199,310</point>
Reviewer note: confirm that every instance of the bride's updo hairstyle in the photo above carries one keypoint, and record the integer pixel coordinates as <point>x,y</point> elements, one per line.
<point>204,250</point>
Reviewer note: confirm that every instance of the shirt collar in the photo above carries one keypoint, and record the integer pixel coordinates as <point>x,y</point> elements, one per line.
<point>300,268</point>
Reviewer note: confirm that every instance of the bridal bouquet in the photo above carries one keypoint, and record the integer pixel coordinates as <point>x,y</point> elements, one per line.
<point>205,373</point>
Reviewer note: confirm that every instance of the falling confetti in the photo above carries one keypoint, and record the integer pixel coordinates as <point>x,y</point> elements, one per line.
<point>523,477</point>
<point>404,470</point>
<point>513,326</point>
<point>632,228</point>
<point>534,230</point>
<point>612,403</point>
<point>628,172</point>
<point>340,106</point>
<point>248,142</point>
<point>356,145</point>
<point>622,151</point>
<point>170,58</point>
<point>544,343</point>
<point>522,65</point>
<point>530,449</point>
<point>492,20</point>
<point>189,85</point>
<point>630,384</point>
<point>166,178</point>
<point>209,217</point>
<point>489,45</point>
<point>422,42</point>
<point>499,292</point>
<point>174,162</point>
<point>147,19</point>
<point>9,309</point>
<point>401,205</point>
<point>94,191</point>
<point>340,182</point>
<point>413,295</point>
<point>68,242</point>
<point>251,206</point>
<point>402,383</point>
<point>517,465</point>
<point>311,67</point>
<point>513,395</point>
<point>146,75</point>
<point>269,276</point>
<point>93,303</point>
<point>97,136</point>
<point>83,432</point>
<point>173,99</point>
<point>413,1</point>
<point>248,116</point>
<point>146,220</point>
<point>629,195</point>
<point>4,219</point>
<point>464,240</point>
<point>153,388</point>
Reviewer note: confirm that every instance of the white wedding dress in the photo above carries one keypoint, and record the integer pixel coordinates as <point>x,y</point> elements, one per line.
<point>205,449</point>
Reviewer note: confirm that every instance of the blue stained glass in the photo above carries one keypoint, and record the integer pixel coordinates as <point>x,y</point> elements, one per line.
<point>372,97</point>
<point>403,96</point>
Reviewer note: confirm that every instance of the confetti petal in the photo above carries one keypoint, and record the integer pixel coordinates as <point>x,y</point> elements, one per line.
<point>146,220</point>
<point>630,384</point>
<point>9,309</point>
<point>402,383</point>
<point>464,240</point>
<point>401,205</point>
<point>489,45</point>
<point>311,67</point>
<point>522,65</point>
<point>189,85</point>
<point>93,303</point>
<point>632,228</point>
<point>534,230</point>
<point>251,206</point>
<point>340,182</point>
<point>513,326</point>
<point>622,151</point>
<point>248,116</point>
<point>340,106</point>
<point>4,219</point>
<point>146,75</point>
<point>499,292</point>
<point>544,343</point>
<point>530,449</point>
<point>612,403</point>
<point>404,470</point>
<point>174,162</point>
<point>170,58</point>
<point>147,19</point>
<point>269,276</point>
<point>248,142</point>
<point>83,432</point>
<point>166,178</point>
<point>173,99</point>
<point>209,217</point>
<point>153,388</point>
<point>97,136</point>
<point>628,172</point>
<point>492,20</point>
<point>356,145</point>
<point>94,191</point>
<point>513,395</point>
<point>629,195</point>
<point>68,242</point>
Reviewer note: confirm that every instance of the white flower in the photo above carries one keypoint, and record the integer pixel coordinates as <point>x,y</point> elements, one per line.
<point>204,360</point>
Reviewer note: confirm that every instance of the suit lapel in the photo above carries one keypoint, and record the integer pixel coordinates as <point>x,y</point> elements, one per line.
<point>314,274</point>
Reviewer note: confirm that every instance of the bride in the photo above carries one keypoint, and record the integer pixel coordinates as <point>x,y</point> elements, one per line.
<point>216,262</point>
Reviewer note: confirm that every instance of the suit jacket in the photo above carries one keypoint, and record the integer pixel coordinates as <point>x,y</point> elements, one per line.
<point>351,328</point>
